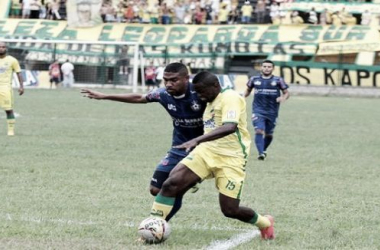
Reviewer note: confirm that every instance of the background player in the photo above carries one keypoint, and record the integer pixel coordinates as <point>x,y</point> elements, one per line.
<point>266,104</point>
<point>183,105</point>
<point>220,153</point>
<point>8,65</point>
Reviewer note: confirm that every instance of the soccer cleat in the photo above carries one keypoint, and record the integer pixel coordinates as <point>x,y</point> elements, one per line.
<point>261,157</point>
<point>11,133</point>
<point>268,232</point>
<point>265,154</point>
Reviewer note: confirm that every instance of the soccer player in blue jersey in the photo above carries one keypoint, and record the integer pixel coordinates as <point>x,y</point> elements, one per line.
<point>221,153</point>
<point>269,92</point>
<point>182,103</point>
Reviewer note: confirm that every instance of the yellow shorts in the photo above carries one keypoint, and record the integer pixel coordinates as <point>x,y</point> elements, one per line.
<point>6,98</point>
<point>229,172</point>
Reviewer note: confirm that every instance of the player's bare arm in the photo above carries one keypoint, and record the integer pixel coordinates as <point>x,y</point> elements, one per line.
<point>247,92</point>
<point>226,129</point>
<point>128,98</point>
<point>285,95</point>
<point>21,82</point>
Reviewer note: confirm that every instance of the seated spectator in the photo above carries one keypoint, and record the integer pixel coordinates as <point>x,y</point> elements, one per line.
<point>260,11</point>
<point>144,13</point>
<point>274,13</point>
<point>336,19</point>
<point>198,15</point>
<point>26,8</point>
<point>209,14</point>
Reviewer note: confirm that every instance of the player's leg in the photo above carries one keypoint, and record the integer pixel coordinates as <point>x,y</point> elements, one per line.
<point>6,102</point>
<point>159,177</point>
<point>269,130</point>
<point>180,180</point>
<point>258,123</point>
<point>231,208</point>
<point>229,178</point>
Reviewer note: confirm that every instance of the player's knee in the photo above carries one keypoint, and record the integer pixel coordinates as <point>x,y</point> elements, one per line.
<point>259,131</point>
<point>230,212</point>
<point>171,186</point>
<point>154,190</point>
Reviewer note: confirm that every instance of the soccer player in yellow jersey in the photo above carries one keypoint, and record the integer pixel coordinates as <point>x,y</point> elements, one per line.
<point>220,153</point>
<point>8,65</point>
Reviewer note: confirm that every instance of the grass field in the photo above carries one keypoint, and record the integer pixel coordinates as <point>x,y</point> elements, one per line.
<point>76,176</point>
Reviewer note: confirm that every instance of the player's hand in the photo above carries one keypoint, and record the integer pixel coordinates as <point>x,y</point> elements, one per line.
<point>189,145</point>
<point>280,99</point>
<point>21,91</point>
<point>92,94</point>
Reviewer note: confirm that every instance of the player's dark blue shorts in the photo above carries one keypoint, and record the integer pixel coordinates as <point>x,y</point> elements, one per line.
<point>163,169</point>
<point>264,123</point>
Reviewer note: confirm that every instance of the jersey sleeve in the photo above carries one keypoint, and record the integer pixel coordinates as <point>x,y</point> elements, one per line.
<point>231,107</point>
<point>16,66</point>
<point>250,83</point>
<point>154,95</point>
<point>281,83</point>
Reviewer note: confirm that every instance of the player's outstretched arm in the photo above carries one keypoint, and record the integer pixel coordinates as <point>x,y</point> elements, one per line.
<point>129,98</point>
<point>226,129</point>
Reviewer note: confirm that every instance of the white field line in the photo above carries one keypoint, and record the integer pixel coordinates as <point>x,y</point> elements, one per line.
<point>130,224</point>
<point>233,241</point>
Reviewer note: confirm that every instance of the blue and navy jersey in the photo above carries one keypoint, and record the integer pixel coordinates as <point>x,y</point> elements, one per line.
<point>186,112</point>
<point>266,92</point>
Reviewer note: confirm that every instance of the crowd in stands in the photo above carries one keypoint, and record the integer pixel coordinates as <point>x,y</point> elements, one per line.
<point>191,12</point>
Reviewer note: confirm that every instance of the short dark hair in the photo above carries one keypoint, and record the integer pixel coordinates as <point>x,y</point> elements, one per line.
<point>206,78</point>
<point>268,61</point>
<point>176,68</point>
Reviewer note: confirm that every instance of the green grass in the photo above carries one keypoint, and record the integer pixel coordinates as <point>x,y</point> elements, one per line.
<point>76,176</point>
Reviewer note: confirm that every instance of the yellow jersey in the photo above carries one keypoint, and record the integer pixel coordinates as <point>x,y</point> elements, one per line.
<point>228,107</point>
<point>8,65</point>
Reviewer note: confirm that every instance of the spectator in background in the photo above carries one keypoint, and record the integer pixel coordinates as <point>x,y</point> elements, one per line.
<point>223,14</point>
<point>123,60</point>
<point>246,12</point>
<point>198,15</point>
<point>35,7</point>
<point>150,76</point>
<point>366,18</point>
<point>295,18</point>
<point>313,18</point>
<point>159,74</point>
<point>68,76</point>
<point>208,12</point>
<point>16,8</point>
<point>54,74</point>
<point>274,13</point>
<point>233,15</point>
<point>336,19</point>
<point>129,14</point>
<point>154,12</point>
<point>325,17</point>
<point>165,14</point>
<point>26,8</point>
<point>144,13</point>
<point>260,11</point>
<point>179,12</point>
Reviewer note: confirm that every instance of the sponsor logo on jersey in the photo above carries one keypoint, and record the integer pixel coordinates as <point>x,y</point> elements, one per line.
<point>274,83</point>
<point>172,107</point>
<point>231,114</point>
<point>164,162</point>
<point>195,106</point>
<point>257,83</point>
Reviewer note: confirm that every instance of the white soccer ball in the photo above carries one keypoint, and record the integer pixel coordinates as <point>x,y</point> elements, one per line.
<point>154,230</point>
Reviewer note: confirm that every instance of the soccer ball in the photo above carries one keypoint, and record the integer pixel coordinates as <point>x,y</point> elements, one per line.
<point>154,230</point>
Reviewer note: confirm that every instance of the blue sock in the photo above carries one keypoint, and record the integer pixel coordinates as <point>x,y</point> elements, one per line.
<point>267,141</point>
<point>177,205</point>
<point>259,141</point>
